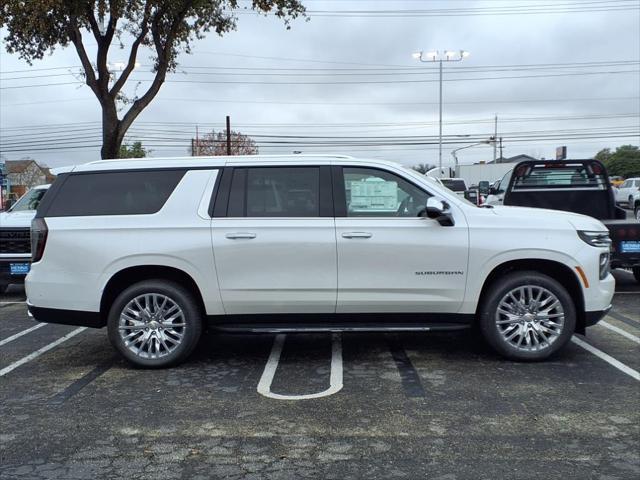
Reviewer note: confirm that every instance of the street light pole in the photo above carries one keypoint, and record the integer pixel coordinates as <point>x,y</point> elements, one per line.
<point>448,56</point>
<point>456,150</point>
<point>440,123</point>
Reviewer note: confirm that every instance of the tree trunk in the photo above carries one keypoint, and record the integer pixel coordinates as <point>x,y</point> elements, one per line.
<point>111,136</point>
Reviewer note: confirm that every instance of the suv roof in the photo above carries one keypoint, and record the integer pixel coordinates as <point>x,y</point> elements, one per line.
<point>194,162</point>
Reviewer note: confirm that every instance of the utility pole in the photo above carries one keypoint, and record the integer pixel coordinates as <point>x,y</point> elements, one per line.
<point>197,142</point>
<point>495,137</point>
<point>228,135</point>
<point>501,148</point>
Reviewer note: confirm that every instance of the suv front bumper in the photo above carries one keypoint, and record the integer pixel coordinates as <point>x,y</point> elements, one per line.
<point>6,277</point>
<point>591,318</point>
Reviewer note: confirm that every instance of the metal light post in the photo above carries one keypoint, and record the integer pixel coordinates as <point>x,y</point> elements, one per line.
<point>447,56</point>
<point>456,150</point>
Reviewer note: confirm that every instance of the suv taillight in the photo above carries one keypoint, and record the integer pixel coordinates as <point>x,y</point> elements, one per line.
<point>39,233</point>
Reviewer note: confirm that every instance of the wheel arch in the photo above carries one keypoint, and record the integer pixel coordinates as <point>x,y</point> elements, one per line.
<point>554,269</point>
<point>131,275</point>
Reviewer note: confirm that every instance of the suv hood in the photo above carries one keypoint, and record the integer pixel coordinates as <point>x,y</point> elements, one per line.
<point>576,220</point>
<point>21,219</point>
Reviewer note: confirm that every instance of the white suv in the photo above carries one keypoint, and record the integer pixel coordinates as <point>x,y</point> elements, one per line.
<point>626,191</point>
<point>156,249</point>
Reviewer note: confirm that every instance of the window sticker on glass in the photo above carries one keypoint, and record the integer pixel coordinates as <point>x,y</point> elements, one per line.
<point>373,194</point>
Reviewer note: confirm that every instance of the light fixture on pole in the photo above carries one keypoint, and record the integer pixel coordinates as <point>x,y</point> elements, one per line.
<point>447,56</point>
<point>456,150</point>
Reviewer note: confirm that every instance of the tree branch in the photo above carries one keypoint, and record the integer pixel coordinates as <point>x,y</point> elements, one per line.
<point>164,56</point>
<point>131,63</point>
<point>104,42</point>
<point>76,38</point>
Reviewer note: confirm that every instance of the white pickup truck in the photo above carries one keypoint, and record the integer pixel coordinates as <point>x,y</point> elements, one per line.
<point>156,249</point>
<point>15,243</point>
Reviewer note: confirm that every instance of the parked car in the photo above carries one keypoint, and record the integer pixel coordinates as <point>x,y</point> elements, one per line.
<point>496,192</point>
<point>616,180</point>
<point>579,186</point>
<point>636,207</point>
<point>626,191</point>
<point>154,249</point>
<point>15,243</point>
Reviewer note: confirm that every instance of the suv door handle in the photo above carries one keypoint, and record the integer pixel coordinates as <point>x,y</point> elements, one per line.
<point>356,235</point>
<point>238,235</point>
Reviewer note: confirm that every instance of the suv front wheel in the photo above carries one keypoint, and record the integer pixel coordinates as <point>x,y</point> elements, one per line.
<point>527,316</point>
<point>155,323</point>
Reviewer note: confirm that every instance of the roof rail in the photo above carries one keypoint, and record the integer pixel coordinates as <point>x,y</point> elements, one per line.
<point>220,157</point>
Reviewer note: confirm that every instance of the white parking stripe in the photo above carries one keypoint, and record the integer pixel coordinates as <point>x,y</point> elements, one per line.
<point>40,351</point>
<point>335,378</point>
<point>19,334</point>
<point>619,331</point>
<point>11,303</point>
<point>607,358</point>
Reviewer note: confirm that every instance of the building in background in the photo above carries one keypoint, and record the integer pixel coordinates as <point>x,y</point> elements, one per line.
<point>22,175</point>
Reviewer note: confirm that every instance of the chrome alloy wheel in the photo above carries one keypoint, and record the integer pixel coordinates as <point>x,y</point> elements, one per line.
<point>152,325</point>
<point>530,318</point>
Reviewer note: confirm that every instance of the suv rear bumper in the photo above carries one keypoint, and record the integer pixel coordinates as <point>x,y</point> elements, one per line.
<point>66,317</point>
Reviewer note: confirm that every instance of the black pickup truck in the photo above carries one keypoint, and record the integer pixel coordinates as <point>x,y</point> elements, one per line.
<point>579,186</point>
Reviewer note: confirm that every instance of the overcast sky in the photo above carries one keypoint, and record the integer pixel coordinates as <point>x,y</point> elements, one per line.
<point>332,49</point>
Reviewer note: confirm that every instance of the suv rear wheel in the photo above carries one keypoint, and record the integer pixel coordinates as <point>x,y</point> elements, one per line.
<point>527,316</point>
<point>155,323</point>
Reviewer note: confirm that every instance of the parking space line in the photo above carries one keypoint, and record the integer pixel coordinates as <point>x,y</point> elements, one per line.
<point>82,382</point>
<point>624,319</point>
<point>607,358</point>
<point>40,351</point>
<point>408,375</point>
<point>19,334</point>
<point>12,303</point>
<point>335,378</point>
<point>619,331</point>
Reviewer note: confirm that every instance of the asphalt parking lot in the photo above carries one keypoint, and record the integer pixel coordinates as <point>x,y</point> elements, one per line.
<point>437,406</point>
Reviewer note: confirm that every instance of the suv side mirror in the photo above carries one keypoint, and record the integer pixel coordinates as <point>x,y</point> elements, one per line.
<point>493,191</point>
<point>439,210</point>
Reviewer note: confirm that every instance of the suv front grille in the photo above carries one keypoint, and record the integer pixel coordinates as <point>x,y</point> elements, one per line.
<point>15,240</point>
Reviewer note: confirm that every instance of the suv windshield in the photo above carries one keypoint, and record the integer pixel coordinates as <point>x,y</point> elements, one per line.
<point>29,200</point>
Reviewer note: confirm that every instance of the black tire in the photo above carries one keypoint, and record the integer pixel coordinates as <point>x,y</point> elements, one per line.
<point>4,287</point>
<point>636,273</point>
<point>636,213</point>
<point>191,313</point>
<point>630,201</point>
<point>499,289</point>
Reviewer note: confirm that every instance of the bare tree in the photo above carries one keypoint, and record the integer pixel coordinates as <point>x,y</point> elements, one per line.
<point>215,144</point>
<point>423,167</point>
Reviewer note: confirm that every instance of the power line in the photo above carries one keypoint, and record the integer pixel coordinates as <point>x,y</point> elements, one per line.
<point>349,82</point>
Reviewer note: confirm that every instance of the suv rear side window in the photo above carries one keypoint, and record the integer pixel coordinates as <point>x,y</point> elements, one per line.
<point>114,193</point>
<point>275,192</point>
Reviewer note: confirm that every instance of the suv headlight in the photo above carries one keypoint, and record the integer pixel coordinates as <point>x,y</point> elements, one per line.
<point>595,239</point>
